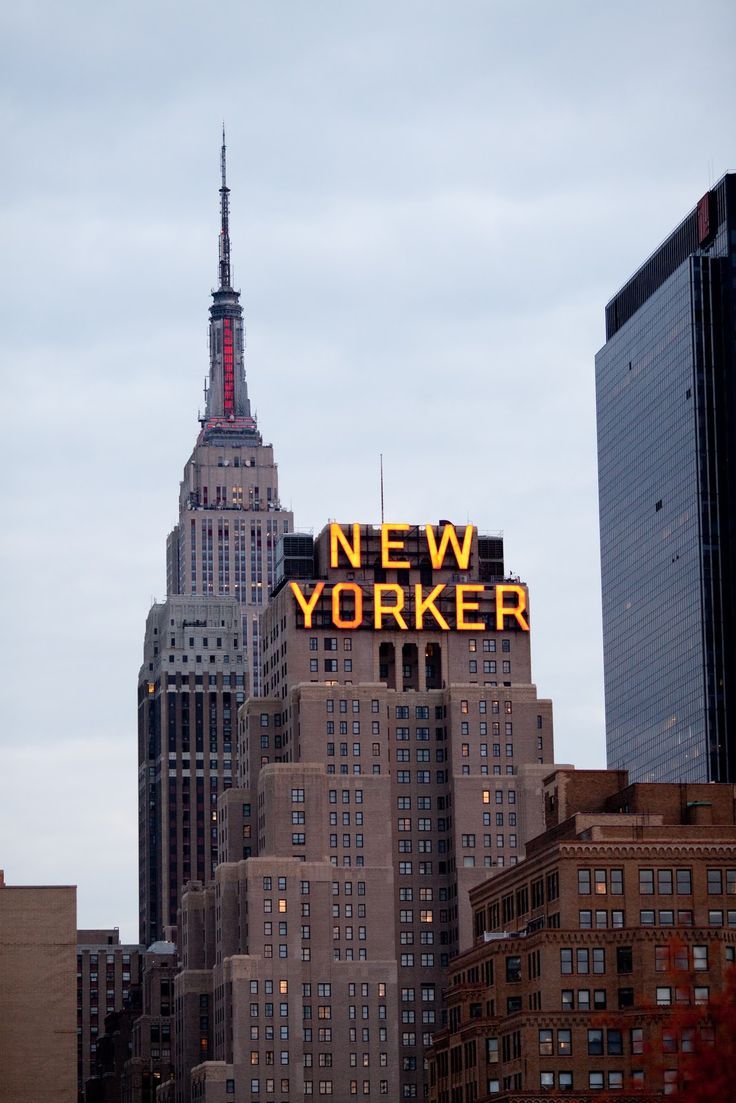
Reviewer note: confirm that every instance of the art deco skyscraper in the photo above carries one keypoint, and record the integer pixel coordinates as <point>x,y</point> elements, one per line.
<point>202,644</point>
<point>395,761</point>
<point>666,459</point>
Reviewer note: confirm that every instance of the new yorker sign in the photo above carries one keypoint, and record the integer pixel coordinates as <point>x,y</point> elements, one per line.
<point>411,607</point>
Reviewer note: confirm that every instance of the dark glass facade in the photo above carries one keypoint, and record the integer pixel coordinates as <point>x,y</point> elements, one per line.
<point>667,479</point>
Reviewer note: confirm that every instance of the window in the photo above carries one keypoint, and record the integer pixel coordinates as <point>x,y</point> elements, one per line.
<point>546,1042</point>
<point>664,882</point>
<point>684,882</point>
<point>646,882</point>
<point>624,959</point>
<point>601,882</point>
<point>669,1041</point>
<point>595,1043</point>
<point>700,958</point>
<point>584,882</point>
<point>614,1042</point>
<point>715,882</point>
<point>513,969</point>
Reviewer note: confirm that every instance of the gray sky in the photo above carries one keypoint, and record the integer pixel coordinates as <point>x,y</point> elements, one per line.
<point>431,205</point>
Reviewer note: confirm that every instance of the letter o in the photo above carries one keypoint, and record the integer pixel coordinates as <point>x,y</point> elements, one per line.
<point>337,619</point>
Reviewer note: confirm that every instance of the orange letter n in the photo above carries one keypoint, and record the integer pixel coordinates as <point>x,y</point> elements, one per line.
<point>338,540</point>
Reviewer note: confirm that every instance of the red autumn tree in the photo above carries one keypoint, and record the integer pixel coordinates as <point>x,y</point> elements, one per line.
<point>699,1049</point>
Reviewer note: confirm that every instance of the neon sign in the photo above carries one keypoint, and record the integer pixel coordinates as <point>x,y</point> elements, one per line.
<point>411,607</point>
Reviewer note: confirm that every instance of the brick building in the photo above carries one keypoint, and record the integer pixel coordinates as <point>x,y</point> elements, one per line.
<point>37,1024</point>
<point>106,972</point>
<point>623,911</point>
<point>395,762</point>
<point>134,1055</point>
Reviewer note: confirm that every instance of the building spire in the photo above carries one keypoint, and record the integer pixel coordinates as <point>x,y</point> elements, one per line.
<point>227,407</point>
<point>224,221</point>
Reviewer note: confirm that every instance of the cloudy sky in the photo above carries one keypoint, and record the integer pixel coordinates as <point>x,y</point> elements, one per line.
<point>431,205</point>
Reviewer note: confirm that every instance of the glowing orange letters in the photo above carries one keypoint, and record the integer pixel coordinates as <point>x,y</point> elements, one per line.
<point>388,545</point>
<point>392,541</point>
<point>338,540</point>
<point>426,604</point>
<point>380,609</point>
<point>449,536</point>
<point>516,611</point>
<point>395,605</point>
<point>337,618</point>
<point>464,605</point>
<point>307,607</point>
<point>389,605</point>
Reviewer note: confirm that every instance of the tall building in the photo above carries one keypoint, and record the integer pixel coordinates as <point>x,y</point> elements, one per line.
<point>586,957</point>
<point>107,970</point>
<point>38,1052</point>
<point>133,1057</point>
<point>666,396</point>
<point>202,643</point>
<point>394,762</point>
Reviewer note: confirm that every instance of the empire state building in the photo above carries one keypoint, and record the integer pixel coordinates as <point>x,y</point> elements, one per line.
<point>201,651</point>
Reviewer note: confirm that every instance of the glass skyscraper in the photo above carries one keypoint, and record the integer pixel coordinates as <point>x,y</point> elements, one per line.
<point>666,408</point>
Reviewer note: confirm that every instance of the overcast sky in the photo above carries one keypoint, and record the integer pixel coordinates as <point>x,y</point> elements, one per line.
<point>431,205</point>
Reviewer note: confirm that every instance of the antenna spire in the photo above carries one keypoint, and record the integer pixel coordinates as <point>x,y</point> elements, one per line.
<point>381,455</point>
<point>224,221</point>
